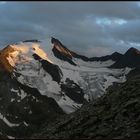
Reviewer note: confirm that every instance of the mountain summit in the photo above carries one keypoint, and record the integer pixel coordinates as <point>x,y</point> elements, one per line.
<point>132,52</point>
<point>13,55</point>
<point>63,53</point>
<point>130,59</point>
<point>114,56</point>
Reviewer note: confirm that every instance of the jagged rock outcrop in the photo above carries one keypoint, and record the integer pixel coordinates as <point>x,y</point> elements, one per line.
<point>52,69</point>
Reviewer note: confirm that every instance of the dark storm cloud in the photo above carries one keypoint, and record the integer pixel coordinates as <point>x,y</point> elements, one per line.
<point>92,28</point>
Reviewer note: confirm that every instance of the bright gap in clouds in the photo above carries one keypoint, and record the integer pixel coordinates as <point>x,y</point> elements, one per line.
<point>110,22</point>
<point>2,2</point>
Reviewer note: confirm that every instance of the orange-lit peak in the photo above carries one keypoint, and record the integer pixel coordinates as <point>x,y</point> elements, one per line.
<point>61,48</point>
<point>19,54</point>
<point>37,50</point>
<point>64,51</point>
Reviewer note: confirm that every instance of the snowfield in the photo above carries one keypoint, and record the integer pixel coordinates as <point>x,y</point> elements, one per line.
<point>94,77</point>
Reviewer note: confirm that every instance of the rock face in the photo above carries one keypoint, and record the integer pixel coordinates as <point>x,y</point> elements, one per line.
<point>130,59</point>
<point>114,115</point>
<point>52,69</point>
<point>73,91</point>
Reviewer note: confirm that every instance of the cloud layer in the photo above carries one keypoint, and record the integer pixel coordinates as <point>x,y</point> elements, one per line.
<point>90,28</point>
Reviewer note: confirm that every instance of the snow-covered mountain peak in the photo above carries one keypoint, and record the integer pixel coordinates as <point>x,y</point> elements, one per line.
<point>20,53</point>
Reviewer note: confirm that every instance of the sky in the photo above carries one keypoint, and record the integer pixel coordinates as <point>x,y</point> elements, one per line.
<point>89,28</point>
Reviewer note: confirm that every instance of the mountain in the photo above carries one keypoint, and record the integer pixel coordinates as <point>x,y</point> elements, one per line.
<point>42,80</point>
<point>63,53</point>
<point>23,108</point>
<point>32,90</point>
<point>115,57</point>
<point>115,115</point>
<point>130,59</point>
